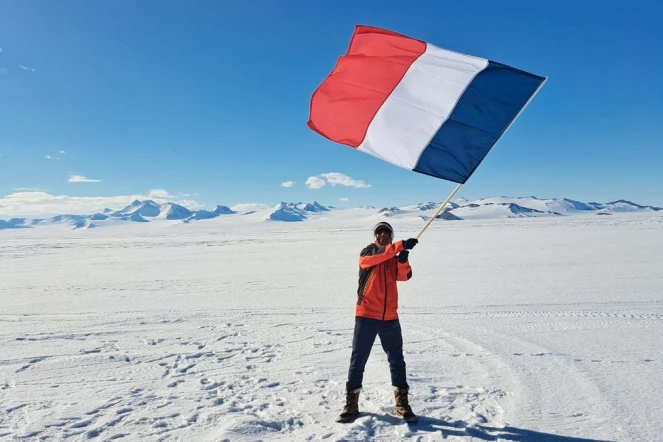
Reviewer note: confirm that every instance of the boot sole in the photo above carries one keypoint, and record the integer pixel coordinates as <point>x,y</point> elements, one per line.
<point>347,420</point>
<point>409,420</point>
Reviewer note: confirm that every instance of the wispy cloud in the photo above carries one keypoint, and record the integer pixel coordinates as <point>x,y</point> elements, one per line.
<point>288,184</point>
<point>52,157</point>
<point>28,189</point>
<point>334,179</point>
<point>249,207</point>
<point>38,203</point>
<point>25,68</point>
<point>160,194</point>
<point>339,179</point>
<point>314,182</point>
<point>344,199</point>
<point>81,179</point>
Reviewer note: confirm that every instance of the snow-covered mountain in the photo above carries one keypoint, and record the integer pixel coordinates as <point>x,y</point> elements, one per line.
<point>499,210</point>
<point>428,206</point>
<point>173,211</point>
<point>285,212</point>
<point>458,210</point>
<point>293,211</point>
<point>142,208</point>
<point>222,210</point>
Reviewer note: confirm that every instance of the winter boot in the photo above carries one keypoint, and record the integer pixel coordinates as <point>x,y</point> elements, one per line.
<point>351,409</point>
<point>403,408</point>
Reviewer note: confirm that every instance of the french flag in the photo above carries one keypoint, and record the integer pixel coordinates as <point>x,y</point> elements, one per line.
<point>417,106</point>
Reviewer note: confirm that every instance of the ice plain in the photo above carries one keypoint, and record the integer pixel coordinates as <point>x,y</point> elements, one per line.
<point>530,329</point>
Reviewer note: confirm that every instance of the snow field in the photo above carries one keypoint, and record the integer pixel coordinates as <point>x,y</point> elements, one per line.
<point>532,329</point>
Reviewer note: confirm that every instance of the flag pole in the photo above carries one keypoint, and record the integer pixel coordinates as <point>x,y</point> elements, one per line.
<point>439,210</point>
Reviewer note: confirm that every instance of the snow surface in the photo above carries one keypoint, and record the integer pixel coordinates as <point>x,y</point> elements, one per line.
<point>529,329</point>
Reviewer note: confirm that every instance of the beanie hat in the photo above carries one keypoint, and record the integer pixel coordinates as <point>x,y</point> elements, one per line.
<point>385,225</point>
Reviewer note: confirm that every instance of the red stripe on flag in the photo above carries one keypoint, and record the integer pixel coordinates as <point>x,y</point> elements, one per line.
<point>344,105</point>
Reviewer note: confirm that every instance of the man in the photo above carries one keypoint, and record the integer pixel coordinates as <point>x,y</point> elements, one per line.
<point>381,265</point>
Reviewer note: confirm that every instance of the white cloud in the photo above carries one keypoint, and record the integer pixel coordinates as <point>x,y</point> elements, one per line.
<point>344,199</point>
<point>288,184</point>
<point>160,194</point>
<point>51,157</point>
<point>247,207</point>
<point>25,68</point>
<point>339,179</point>
<point>28,189</point>
<point>314,182</point>
<point>334,179</point>
<point>81,179</point>
<point>39,203</point>
<point>189,204</point>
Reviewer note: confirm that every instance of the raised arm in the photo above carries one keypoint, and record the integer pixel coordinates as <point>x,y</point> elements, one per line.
<point>373,255</point>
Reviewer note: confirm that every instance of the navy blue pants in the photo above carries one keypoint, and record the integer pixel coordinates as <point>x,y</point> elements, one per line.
<point>391,339</point>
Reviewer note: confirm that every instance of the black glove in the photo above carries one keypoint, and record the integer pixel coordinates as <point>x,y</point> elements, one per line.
<point>410,243</point>
<point>402,257</point>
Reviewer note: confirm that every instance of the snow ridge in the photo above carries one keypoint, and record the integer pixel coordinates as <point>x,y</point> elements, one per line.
<point>461,209</point>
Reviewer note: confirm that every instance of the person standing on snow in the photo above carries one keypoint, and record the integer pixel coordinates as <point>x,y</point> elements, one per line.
<point>381,265</point>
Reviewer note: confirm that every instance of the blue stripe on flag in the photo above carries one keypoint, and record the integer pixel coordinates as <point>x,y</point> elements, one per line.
<point>485,110</point>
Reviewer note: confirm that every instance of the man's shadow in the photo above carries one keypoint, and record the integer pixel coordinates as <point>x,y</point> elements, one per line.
<point>450,427</point>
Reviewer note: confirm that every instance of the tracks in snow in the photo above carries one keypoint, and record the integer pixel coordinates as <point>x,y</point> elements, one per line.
<point>279,375</point>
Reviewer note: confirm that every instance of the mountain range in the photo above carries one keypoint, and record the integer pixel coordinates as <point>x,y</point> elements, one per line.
<point>460,209</point>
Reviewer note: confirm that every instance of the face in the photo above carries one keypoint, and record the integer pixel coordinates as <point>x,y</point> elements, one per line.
<point>383,236</point>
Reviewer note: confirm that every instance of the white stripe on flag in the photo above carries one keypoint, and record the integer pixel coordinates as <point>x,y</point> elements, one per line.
<point>419,105</point>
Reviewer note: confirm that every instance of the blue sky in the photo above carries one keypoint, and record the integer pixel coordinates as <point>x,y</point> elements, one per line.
<point>208,101</point>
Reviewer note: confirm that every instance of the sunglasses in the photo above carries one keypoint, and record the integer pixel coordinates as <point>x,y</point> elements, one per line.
<point>382,230</point>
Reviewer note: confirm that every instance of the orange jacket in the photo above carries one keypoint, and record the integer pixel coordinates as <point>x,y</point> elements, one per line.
<point>379,270</point>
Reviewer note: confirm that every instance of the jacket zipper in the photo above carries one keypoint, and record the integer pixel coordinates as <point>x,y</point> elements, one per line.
<point>384,272</point>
